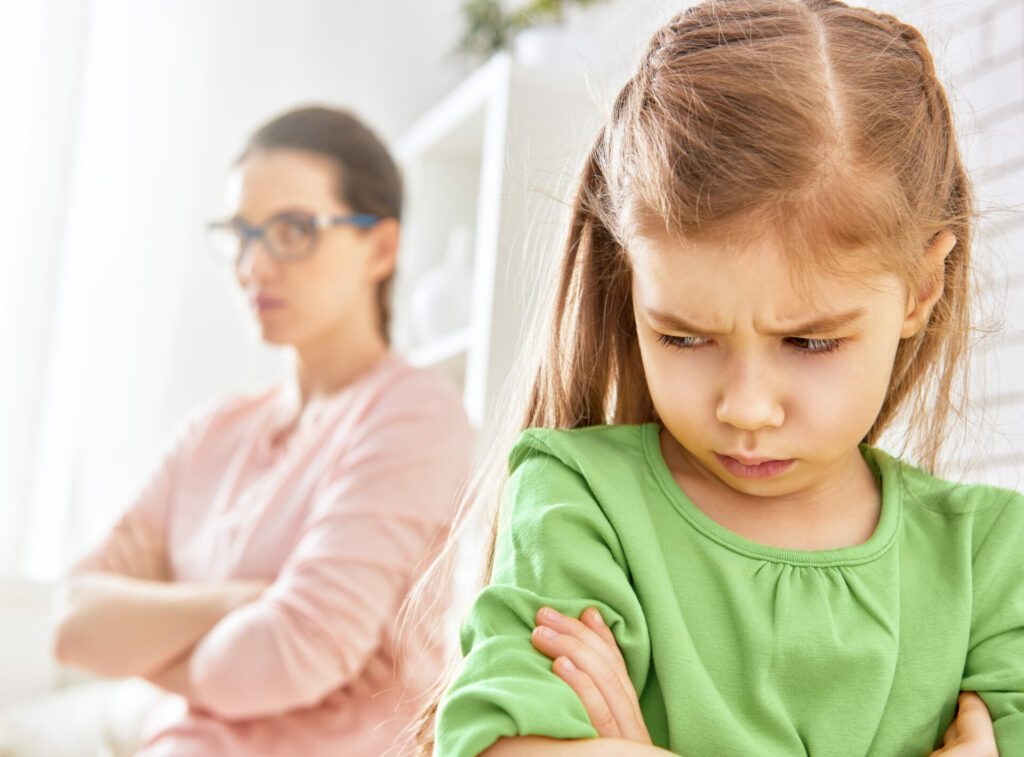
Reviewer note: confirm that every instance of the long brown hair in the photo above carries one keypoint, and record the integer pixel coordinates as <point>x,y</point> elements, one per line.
<point>822,124</point>
<point>368,181</point>
<point>819,123</point>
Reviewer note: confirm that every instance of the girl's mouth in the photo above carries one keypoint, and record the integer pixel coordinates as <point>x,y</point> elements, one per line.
<point>760,468</point>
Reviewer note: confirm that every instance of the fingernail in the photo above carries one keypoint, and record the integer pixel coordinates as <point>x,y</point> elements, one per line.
<point>550,614</point>
<point>547,633</point>
<point>596,617</point>
<point>567,664</point>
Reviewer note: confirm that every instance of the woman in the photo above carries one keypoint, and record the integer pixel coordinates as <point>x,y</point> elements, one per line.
<point>258,575</point>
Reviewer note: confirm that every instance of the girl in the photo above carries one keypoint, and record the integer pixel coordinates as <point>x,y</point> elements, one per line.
<point>257,577</point>
<point>767,266</point>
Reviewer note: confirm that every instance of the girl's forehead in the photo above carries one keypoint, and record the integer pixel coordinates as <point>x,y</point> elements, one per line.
<point>711,275</point>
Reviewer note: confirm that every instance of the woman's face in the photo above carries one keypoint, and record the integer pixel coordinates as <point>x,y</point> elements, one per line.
<point>328,296</point>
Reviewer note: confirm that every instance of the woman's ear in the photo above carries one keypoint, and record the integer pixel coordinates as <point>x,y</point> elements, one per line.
<point>384,243</point>
<point>921,301</point>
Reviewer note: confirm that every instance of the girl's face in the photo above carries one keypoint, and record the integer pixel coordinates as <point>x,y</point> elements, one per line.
<point>765,385</point>
<point>329,295</point>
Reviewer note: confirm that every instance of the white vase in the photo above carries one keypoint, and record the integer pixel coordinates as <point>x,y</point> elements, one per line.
<point>556,45</point>
<point>441,297</point>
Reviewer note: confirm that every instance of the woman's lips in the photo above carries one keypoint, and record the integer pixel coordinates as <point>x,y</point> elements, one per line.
<point>753,468</point>
<point>262,303</point>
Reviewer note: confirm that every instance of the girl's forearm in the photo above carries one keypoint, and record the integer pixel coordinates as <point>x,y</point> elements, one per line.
<point>535,746</point>
<point>120,626</point>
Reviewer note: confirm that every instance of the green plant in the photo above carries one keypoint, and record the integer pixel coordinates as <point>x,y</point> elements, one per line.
<point>490,28</point>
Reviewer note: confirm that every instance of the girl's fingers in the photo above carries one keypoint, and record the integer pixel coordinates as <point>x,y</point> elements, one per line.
<point>971,733</point>
<point>600,665</point>
<point>592,618</point>
<point>596,669</point>
<point>949,737</point>
<point>974,723</point>
<point>603,644</point>
<point>594,702</point>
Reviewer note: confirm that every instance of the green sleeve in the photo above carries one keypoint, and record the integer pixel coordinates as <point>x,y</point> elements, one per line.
<point>555,547</point>
<point>995,658</point>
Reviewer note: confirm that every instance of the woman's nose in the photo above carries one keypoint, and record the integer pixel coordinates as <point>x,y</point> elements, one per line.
<point>253,259</point>
<point>750,399</point>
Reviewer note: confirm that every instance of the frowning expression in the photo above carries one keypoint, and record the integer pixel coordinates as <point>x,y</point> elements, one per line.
<point>765,381</point>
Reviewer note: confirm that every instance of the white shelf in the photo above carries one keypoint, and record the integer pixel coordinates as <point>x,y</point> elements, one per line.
<point>441,350</point>
<point>498,155</point>
<point>455,125</point>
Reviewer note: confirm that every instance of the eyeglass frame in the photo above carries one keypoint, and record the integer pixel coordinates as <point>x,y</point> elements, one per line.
<point>320,221</point>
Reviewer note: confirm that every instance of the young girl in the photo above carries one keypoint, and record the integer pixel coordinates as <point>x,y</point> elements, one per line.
<point>767,266</point>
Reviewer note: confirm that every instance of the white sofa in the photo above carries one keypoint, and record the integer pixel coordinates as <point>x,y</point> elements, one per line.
<point>47,710</point>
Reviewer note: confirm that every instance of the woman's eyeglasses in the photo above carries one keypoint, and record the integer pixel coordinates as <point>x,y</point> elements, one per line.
<point>287,237</point>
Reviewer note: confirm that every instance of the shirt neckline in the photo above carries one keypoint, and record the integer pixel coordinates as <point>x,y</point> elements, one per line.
<point>328,410</point>
<point>880,541</point>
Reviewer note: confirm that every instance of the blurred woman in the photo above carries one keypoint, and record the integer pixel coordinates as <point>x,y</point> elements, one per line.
<point>258,575</point>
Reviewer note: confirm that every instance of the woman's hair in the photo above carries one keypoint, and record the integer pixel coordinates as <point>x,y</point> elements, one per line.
<point>819,125</point>
<point>368,180</point>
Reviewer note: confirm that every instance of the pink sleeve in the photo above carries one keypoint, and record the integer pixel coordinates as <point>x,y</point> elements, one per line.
<point>153,503</point>
<point>368,530</point>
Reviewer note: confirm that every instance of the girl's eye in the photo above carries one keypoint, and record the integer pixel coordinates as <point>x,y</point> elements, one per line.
<point>814,345</point>
<point>682,342</point>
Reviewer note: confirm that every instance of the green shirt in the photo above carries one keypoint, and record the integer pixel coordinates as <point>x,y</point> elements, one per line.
<point>738,649</point>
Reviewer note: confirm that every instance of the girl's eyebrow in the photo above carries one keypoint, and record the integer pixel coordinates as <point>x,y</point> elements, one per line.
<point>820,325</point>
<point>825,323</point>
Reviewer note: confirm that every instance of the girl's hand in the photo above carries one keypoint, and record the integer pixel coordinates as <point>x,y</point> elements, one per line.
<point>587,658</point>
<point>970,734</point>
<point>135,550</point>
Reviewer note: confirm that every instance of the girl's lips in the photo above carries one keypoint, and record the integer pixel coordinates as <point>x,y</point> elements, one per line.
<point>752,468</point>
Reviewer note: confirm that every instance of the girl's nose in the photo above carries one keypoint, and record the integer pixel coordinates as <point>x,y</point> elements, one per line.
<point>749,400</point>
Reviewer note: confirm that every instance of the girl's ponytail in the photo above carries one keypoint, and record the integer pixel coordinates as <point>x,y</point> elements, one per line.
<point>589,372</point>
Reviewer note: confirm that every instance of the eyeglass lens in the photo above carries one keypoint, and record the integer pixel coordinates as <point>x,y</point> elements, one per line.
<point>285,237</point>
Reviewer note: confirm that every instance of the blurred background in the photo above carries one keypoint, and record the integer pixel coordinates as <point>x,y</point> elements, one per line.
<point>120,118</point>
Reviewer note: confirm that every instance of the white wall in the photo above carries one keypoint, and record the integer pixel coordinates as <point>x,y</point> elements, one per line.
<point>979,50</point>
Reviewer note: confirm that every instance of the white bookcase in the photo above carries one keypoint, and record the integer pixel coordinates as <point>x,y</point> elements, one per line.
<point>497,156</point>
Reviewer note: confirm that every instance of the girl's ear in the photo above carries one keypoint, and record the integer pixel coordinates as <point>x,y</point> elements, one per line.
<point>383,238</point>
<point>921,302</point>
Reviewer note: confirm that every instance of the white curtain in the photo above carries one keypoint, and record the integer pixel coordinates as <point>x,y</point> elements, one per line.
<point>42,48</point>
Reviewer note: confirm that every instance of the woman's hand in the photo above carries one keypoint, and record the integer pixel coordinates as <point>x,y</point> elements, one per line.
<point>135,550</point>
<point>970,734</point>
<point>587,658</point>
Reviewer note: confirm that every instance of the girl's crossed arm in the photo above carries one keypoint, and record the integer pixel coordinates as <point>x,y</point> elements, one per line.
<point>528,746</point>
<point>588,659</point>
<point>586,656</point>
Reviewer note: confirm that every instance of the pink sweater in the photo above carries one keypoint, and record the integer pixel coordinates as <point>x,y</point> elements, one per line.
<point>342,520</point>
